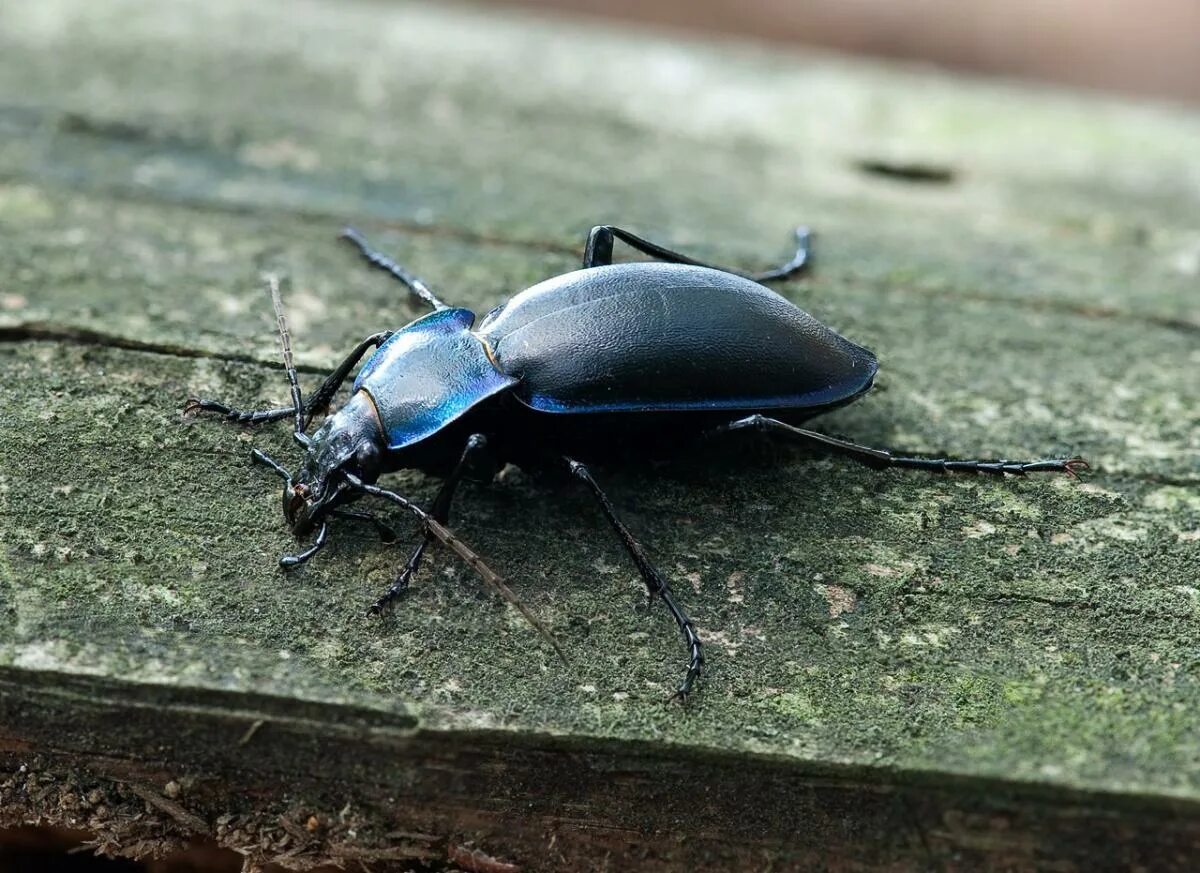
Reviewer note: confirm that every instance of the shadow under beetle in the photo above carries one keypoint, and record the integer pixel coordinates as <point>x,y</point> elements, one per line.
<point>586,365</point>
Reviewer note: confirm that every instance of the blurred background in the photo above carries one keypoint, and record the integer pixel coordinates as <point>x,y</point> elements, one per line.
<point>1142,47</point>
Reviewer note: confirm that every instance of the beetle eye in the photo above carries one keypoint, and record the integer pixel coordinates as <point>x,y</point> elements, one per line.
<point>366,459</point>
<point>295,504</point>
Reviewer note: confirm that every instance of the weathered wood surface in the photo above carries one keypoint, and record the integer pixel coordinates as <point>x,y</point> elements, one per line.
<point>903,670</point>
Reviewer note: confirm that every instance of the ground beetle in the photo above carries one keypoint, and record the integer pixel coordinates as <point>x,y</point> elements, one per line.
<point>585,365</point>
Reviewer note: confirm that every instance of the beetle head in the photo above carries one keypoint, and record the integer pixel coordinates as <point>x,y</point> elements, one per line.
<point>349,441</point>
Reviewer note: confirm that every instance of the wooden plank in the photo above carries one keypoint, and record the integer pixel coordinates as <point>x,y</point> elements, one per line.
<point>913,669</point>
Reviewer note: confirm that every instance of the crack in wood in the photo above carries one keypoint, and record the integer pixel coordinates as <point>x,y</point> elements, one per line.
<point>34,331</point>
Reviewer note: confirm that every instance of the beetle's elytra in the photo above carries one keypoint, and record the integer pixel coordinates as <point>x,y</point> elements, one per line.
<point>581,367</point>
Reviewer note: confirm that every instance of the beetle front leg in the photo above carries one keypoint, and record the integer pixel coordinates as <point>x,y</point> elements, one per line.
<point>440,511</point>
<point>881,458</point>
<point>652,577</point>
<point>599,253</point>
<point>234,415</point>
<point>316,402</point>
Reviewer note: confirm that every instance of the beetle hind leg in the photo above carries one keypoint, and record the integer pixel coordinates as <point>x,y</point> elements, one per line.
<point>652,577</point>
<point>598,252</point>
<point>882,458</point>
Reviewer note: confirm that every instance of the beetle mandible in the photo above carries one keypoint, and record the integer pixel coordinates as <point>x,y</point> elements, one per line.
<point>579,366</point>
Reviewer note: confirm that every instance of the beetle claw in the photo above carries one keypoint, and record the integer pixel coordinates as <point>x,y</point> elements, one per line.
<point>383,603</point>
<point>1074,465</point>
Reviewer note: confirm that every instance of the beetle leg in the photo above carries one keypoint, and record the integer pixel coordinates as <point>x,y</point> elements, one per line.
<point>440,512</point>
<point>324,395</point>
<point>599,252</point>
<point>315,403</point>
<point>653,578</point>
<point>881,458</point>
<point>380,261</point>
<point>236,416</point>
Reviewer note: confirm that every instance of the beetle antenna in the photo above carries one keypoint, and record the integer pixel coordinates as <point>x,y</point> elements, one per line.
<point>380,261</point>
<point>289,366</point>
<point>443,534</point>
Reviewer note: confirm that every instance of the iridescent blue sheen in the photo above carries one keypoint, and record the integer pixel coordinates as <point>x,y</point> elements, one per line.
<point>814,399</point>
<point>428,374</point>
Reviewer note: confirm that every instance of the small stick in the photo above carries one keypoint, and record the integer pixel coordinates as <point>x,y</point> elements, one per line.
<point>443,534</point>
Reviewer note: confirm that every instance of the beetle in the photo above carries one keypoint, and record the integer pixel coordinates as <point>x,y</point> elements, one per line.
<point>580,368</point>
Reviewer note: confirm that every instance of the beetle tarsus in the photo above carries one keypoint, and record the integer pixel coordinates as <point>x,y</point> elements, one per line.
<point>1070,466</point>
<point>403,580</point>
<point>1074,465</point>
<point>801,261</point>
<point>475,444</point>
<point>401,584</point>
<point>196,405</point>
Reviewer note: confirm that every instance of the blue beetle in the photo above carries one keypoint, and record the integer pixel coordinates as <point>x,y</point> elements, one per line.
<point>589,364</point>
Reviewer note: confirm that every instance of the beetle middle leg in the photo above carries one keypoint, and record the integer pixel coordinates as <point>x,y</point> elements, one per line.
<point>599,252</point>
<point>881,458</point>
<point>652,577</point>
<point>440,512</point>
